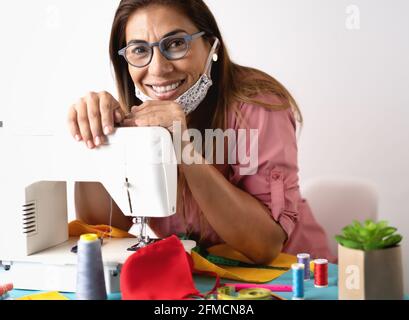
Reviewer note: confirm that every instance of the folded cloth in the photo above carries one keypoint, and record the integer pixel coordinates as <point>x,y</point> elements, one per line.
<point>254,275</point>
<point>77,228</point>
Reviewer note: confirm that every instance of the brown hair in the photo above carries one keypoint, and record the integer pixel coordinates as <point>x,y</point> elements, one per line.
<point>229,83</point>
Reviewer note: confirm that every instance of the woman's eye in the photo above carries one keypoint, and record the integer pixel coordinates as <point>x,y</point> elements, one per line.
<point>139,50</point>
<point>176,44</point>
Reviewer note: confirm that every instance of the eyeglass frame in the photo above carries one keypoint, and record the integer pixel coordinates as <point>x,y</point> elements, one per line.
<point>188,38</point>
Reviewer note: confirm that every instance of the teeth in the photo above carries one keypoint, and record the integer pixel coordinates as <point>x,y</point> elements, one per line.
<point>165,89</point>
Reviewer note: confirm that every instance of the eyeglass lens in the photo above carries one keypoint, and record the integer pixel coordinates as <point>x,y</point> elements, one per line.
<point>173,48</point>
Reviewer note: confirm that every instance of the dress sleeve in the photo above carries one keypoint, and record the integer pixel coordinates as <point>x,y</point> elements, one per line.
<point>275,180</point>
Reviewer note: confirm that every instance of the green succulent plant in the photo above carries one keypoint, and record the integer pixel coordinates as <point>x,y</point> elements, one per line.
<point>369,236</point>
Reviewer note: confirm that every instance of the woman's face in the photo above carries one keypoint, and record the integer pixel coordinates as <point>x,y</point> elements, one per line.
<point>159,79</point>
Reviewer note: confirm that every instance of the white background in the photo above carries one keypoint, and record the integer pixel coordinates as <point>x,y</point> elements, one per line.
<point>352,85</point>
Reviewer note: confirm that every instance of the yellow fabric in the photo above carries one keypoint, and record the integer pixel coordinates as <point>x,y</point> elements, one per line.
<point>45,296</point>
<point>78,228</point>
<point>252,275</point>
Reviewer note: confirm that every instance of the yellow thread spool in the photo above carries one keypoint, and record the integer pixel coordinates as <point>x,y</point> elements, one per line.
<point>312,266</point>
<point>90,269</point>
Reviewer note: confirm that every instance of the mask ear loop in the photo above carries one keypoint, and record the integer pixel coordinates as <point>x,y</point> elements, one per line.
<point>212,57</point>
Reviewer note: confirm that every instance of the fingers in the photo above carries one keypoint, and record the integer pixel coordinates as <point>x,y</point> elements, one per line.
<point>154,119</point>
<point>135,109</point>
<point>119,115</point>
<point>72,124</point>
<point>141,111</point>
<point>148,119</point>
<point>127,123</point>
<point>111,113</point>
<point>83,123</point>
<point>93,117</point>
<point>151,104</point>
<point>157,114</point>
<point>107,113</point>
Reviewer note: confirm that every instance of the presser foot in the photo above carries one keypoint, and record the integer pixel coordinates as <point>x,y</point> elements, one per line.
<point>141,244</point>
<point>143,240</point>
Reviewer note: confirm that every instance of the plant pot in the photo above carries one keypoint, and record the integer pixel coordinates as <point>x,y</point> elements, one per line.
<point>370,275</point>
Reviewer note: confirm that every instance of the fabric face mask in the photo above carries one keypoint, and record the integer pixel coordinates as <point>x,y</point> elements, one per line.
<point>160,271</point>
<point>192,98</point>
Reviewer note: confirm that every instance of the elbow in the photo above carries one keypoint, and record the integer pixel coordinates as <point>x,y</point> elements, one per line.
<point>270,247</point>
<point>266,255</point>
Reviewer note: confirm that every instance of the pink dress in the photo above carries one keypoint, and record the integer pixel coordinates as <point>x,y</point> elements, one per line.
<point>275,184</point>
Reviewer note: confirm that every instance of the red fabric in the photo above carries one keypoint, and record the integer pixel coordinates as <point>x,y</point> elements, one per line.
<point>204,273</point>
<point>161,271</point>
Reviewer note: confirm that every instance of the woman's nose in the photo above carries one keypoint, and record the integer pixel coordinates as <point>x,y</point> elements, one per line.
<point>159,65</point>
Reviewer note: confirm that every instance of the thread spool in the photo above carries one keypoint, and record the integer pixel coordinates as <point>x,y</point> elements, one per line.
<point>321,273</point>
<point>5,288</point>
<point>304,258</point>
<point>90,269</point>
<point>4,291</point>
<point>229,293</point>
<point>298,281</point>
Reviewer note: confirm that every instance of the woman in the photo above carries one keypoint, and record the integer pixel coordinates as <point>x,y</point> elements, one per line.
<point>161,51</point>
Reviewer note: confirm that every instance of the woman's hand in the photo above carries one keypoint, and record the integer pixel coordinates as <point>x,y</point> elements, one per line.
<point>157,114</point>
<point>93,117</point>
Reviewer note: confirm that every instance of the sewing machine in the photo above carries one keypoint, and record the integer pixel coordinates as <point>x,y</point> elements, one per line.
<point>137,167</point>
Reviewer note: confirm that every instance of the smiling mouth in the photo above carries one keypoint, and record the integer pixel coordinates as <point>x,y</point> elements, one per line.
<point>168,91</point>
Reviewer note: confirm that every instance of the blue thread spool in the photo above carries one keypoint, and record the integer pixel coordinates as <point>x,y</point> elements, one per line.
<point>298,281</point>
<point>90,269</point>
<point>304,258</point>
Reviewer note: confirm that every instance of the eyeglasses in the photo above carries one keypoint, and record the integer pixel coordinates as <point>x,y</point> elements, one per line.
<point>140,53</point>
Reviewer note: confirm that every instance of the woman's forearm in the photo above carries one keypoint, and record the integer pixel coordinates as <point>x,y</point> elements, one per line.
<point>239,219</point>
